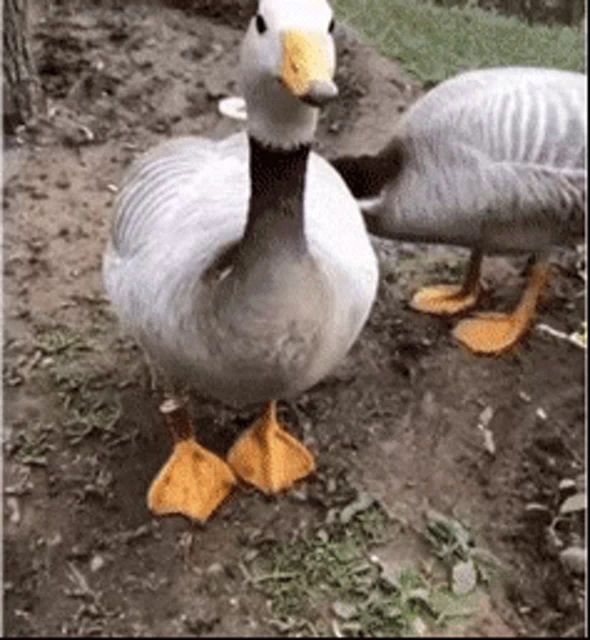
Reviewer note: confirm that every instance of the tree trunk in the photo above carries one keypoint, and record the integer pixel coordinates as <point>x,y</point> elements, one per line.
<point>22,94</point>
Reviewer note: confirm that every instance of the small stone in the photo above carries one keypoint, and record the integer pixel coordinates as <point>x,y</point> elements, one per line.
<point>525,610</point>
<point>97,563</point>
<point>323,536</point>
<point>78,551</point>
<point>489,443</point>
<point>332,486</point>
<point>419,627</point>
<point>541,414</point>
<point>574,560</point>
<point>573,504</point>
<point>464,578</point>
<point>391,575</point>
<point>251,555</point>
<point>13,506</point>
<point>428,405</point>
<point>344,610</point>
<point>332,516</point>
<point>486,417</point>
<point>299,495</point>
<point>55,540</point>
<point>215,569</point>
<point>567,486</point>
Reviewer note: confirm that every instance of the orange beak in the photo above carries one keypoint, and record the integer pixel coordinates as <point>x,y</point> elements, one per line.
<point>307,71</point>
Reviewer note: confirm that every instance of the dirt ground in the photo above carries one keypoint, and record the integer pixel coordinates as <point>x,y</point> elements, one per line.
<point>399,419</point>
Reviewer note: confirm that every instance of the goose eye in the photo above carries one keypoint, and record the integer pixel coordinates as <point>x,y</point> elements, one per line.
<point>332,26</point>
<point>260,24</point>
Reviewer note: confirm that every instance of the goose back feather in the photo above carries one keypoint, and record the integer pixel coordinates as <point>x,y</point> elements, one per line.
<point>492,158</point>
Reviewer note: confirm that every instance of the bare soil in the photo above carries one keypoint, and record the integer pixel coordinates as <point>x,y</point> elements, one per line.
<point>399,419</point>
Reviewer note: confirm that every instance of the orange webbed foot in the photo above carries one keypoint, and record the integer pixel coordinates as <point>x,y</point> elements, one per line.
<point>267,457</point>
<point>491,333</point>
<point>496,333</point>
<point>192,483</point>
<point>445,300</point>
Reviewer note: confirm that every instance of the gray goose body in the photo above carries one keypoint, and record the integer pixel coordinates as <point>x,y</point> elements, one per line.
<point>271,329</point>
<point>493,159</point>
<point>243,266</point>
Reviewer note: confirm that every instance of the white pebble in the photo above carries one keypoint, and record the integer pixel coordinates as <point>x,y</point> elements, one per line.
<point>97,563</point>
<point>574,559</point>
<point>541,414</point>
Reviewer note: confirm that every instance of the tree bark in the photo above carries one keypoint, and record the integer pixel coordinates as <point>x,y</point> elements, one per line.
<point>22,93</point>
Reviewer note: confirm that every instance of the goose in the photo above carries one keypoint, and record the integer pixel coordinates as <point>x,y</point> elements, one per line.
<point>243,266</point>
<point>492,160</point>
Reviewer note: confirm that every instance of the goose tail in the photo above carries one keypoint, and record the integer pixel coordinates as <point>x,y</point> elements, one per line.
<point>367,175</point>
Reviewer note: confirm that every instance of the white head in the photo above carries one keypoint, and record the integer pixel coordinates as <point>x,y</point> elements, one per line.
<point>287,68</point>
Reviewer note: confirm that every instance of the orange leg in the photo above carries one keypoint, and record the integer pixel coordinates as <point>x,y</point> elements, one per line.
<point>495,333</point>
<point>447,300</point>
<point>267,457</point>
<point>194,481</point>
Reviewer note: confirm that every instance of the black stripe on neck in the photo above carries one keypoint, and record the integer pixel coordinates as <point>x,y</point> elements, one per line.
<point>275,222</point>
<point>277,182</point>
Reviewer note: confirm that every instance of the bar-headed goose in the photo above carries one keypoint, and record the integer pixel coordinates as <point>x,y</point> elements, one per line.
<point>243,266</point>
<point>493,160</point>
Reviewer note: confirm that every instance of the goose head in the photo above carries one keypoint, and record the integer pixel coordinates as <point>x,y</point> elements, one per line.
<point>287,66</point>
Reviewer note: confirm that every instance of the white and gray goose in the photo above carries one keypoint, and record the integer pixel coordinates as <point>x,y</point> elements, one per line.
<point>243,266</point>
<point>493,160</point>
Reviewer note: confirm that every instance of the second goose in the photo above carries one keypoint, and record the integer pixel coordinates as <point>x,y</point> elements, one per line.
<point>493,160</point>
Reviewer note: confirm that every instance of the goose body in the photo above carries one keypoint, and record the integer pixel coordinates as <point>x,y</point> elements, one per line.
<point>242,329</point>
<point>243,266</point>
<point>493,160</point>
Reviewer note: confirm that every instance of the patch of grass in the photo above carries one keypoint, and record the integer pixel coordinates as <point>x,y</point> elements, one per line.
<point>31,443</point>
<point>329,584</point>
<point>91,416</point>
<point>433,43</point>
<point>61,341</point>
<point>79,386</point>
<point>453,543</point>
<point>63,349</point>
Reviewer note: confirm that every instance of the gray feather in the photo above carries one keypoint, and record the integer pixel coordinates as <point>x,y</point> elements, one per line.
<point>492,158</point>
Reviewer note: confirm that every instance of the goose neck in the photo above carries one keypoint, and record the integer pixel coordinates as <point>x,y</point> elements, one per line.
<point>276,207</point>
